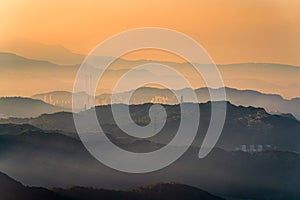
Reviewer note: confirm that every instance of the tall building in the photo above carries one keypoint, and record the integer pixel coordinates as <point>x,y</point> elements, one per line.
<point>244,148</point>
<point>50,100</point>
<point>45,99</point>
<point>259,148</point>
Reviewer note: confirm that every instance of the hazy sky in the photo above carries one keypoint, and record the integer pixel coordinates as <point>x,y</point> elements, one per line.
<point>231,30</point>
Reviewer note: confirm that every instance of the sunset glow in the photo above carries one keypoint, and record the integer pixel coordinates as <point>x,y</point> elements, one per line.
<point>232,31</point>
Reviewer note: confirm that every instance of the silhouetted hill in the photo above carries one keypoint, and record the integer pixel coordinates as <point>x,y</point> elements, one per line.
<point>60,121</point>
<point>243,125</point>
<point>55,160</point>
<point>273,103</point>
<point>17,129</point>
<point>13,190</point>
<point>174,191</point>
<point>10,60</point>
<point>152,192</point>
<point>25,107</point>
<point>53,53</point>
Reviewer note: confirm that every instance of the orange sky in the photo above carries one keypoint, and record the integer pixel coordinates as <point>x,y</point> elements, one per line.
<point>230,30</point>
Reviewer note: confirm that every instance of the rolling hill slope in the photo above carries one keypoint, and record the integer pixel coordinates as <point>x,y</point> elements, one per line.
<point>25,107</point>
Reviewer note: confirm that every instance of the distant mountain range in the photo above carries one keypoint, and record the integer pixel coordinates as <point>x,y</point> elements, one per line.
<point>38,76</point>
<point>13,190</point>
<point>58,101</point>
<point>20,63</point>
<point>273,103</point>
<point>37,51</point>
<point>25,107</point>
<point>243,126</point>
<point>21,76</point>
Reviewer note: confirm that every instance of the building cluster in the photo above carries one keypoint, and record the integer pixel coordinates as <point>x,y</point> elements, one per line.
<point>55,101</point>
<point>160,100</point>
<point>255,148</point>
<point>48,99</point>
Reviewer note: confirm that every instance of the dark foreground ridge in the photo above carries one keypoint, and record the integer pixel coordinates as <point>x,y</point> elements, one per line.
<point>13,190</point>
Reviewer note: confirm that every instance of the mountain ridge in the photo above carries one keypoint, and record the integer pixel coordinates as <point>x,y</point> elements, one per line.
<point>273,103</point>
<point>283,79</point>
<point>14,190</point>
<point>243,125</point>
<point>262,175</point>
<point>25,107</point>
